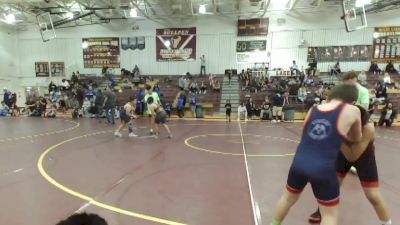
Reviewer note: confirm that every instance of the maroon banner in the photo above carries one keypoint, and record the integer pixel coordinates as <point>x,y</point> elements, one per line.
<point>176,44</point>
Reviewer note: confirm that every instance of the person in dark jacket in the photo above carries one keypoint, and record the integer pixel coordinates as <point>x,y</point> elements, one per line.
<point>388,115</point>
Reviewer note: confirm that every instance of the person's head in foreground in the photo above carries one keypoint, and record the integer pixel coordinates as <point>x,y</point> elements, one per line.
<point>83,219</point>
<point>350,78</point>
<point>347,93</point>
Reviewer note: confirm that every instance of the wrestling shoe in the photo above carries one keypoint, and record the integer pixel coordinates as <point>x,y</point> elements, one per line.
<point>118,134</point>
<point>132,135</point>
<point>315,217</point>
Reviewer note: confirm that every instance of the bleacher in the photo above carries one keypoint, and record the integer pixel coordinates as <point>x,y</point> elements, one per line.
<point>169,88</point>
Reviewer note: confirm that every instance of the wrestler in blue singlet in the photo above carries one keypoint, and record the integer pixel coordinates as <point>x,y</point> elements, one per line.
<point>316,156</point>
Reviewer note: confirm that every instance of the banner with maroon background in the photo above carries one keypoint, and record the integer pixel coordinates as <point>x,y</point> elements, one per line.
<point>176,44</point>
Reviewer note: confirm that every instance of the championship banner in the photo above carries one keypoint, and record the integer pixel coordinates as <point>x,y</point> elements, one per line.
<point>133,43</point>
<point>355,53</point>
<point>57,69</point>
<point>101,52</point>
<point>386,44</point>
<point>176,44</point>
<point>42,69</point>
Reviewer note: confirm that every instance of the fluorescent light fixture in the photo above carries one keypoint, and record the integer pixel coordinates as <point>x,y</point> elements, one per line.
<point>10,18</point>
<point>361,3</point>
<point>69,15</point>
<point>133,12</point>
<point>85,45</point>
<point>202,9</point>
<point>376,34</point>
<point>280,4</point>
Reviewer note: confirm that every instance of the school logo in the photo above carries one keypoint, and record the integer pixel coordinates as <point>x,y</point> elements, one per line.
<point>320,129</point>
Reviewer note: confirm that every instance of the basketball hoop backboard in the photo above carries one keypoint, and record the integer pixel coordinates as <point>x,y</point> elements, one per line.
<point>354,15</point>
<point>46,27</point>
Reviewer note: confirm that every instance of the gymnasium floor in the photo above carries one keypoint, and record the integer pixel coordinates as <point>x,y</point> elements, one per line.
<point>52,168</point>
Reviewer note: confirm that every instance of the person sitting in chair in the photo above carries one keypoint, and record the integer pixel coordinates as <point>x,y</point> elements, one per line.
<point>312,68</point>
<point>242,112</point>
<point>336,69</point>
<point>374,68</point>
<point>390,68</point>
<point>294,68</point>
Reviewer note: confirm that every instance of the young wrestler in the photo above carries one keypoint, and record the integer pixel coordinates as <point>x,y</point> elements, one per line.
<point>361,155</point>
<point>325,128</point>
<point>159,117</point>
<point>156,99</point>
<point>126,114</point>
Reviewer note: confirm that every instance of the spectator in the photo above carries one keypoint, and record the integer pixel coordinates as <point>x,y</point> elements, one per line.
<point>242,112</point>
<point>203,65</point>
<point>277,106</point>
<point>136,71</point>
<point>388,115</point>
<point>168,109</point>
<point>52,87</point>
<point>30,105</point>
<point>181,83</point>
<point>63,103</point>
<point>294,69</point>
<point>390,68</point>
<point>301,79</point>
<point>266,108</point>
<point>65,85</point>
<point>180,105</point>
<point>336,69</point>
<point>156,88</point>
<point>74,78</point>
<point>42,106</point>
<point>86,107</point>
<point>229,74</point>
<point>312,68</point>
<point>228,110</point>
<point>211,80</point>
<point>7,98</point>
<point>374,68</point>
<point>362,78</point>
<point>194,88</point>
<point>380,93</point>
<point>386,79</point>
<point>203,88</point>
<point>14,107</point>
<point>302,94</point>
<point>83,219</point>
<point>80,95</point>
<point>217,86</point>
<point>193,104</point>
<point>109,105</point>
<point>50,109</point>
<point>251,108</point>
<point>4,110</point>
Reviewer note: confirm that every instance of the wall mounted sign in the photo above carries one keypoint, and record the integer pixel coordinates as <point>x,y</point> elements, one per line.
<point>57,69</point>
<point>340,53</point>
<point>251,46</point>
<point>253,27</point>
<point>386,44</point>
<point>176,44</point>
<point>133,43</point>
<point>42,69</point>
<point>101,52</point>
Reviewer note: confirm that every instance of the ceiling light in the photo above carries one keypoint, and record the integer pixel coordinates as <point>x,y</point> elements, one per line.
<point>85,45</point>
<point>133,12</point>
<point>69,15</point>
<point>10,18</point>
<point>202,9</point>
<point>361,3</point>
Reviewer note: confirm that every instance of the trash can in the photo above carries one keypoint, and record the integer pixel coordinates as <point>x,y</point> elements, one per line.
<point>199,111</point>
<point>289,113</point>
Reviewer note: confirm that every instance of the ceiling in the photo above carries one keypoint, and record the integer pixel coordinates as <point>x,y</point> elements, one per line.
<point>67,13</point>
